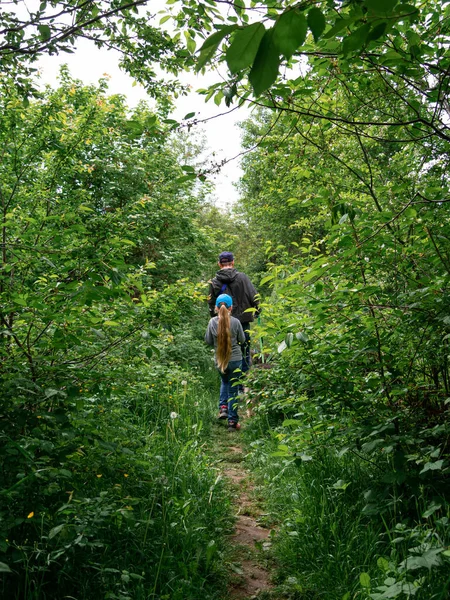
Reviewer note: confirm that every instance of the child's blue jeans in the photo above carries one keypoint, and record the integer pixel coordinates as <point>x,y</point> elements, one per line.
<point>229,388</point>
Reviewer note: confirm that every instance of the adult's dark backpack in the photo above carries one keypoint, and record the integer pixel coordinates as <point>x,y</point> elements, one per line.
<point>222,289</point>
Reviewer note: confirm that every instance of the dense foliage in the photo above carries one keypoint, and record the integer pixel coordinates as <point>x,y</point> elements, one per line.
<point>100,452</point>
<point>343,222</point>
<point>351,174</point>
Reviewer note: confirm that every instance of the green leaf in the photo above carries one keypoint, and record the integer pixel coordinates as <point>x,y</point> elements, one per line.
<point>189,115</point>
<point>236,569</point>
<point>152,350</point>
<point>407,10</point>
<point>305,457</point>
<point>337,27</point>
<point>289,32</point>
<point>211,549</point>
<point>289,339</point>
<point>282,347</point>
<point>355,40</point>
<point>185,178</point>
<point>44,32</point>
<point>431,510</point>
<point>430,558</point>
<point>391,58</point>
<point>432,466</point>
<point>364,580</point>
<point>376,32</point>
<point>266,279</point>
<point>302,337</point>
<point>214,39</point>
<point>342,485</point>
<point>21,300</point>
<point>265,68</point>
<point>190,43</point>
<point>238,6</point>
<point>55,531</point>
<point>211,44</point>
<point>383,564</point>
<point>380,7</point>
<point>4,568</point>
<point>316,22</point>
<point>244,47</point>
<point>415,51</point>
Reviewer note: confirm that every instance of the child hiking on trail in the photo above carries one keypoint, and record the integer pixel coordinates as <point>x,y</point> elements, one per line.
<point>225,333</point>
<point>237,285</point>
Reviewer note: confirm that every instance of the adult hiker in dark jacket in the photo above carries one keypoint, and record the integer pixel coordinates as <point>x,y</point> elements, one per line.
<point>238,285</point>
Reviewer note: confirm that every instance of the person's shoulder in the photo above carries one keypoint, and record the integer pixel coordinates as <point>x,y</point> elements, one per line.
<point>214,282</point>
<point>212,325</point>
<point>243,276</point>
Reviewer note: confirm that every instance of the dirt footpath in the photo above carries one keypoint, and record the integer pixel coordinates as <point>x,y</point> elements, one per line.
<point>250,541</point>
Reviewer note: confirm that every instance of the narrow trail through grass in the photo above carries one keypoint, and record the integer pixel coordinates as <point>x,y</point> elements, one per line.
<point>248,564</point>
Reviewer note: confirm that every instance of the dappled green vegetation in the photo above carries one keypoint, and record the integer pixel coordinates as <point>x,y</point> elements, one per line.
<point>355,194</point>
<point>108,392</point>
<point>103,411</point>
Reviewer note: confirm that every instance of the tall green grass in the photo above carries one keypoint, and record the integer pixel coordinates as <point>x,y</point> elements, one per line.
<point>323,541</point>
<point>331,541</point>
<point>114,497</point>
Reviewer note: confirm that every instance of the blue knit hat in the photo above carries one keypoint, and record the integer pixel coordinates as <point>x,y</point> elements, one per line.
<point>224,299</point>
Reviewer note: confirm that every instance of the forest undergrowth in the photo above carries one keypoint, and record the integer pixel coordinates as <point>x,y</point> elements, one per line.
<point>348,525</point>
<point>120,495</point>
<point>115,498</point>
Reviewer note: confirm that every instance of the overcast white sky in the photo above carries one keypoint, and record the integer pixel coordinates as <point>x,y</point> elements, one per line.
<point>223,135</point>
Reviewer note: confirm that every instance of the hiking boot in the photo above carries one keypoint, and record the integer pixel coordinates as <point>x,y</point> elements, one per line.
<point>223,412</point>
<point>233,426</point>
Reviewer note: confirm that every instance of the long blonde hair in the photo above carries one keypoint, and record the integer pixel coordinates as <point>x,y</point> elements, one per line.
<point>223,351</point>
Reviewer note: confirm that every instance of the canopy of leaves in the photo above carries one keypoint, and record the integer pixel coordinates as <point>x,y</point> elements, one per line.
<point>96,212</point>
<point>29,30</point>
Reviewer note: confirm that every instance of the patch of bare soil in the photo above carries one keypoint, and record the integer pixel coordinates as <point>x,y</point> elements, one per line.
<point>251,578</point>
